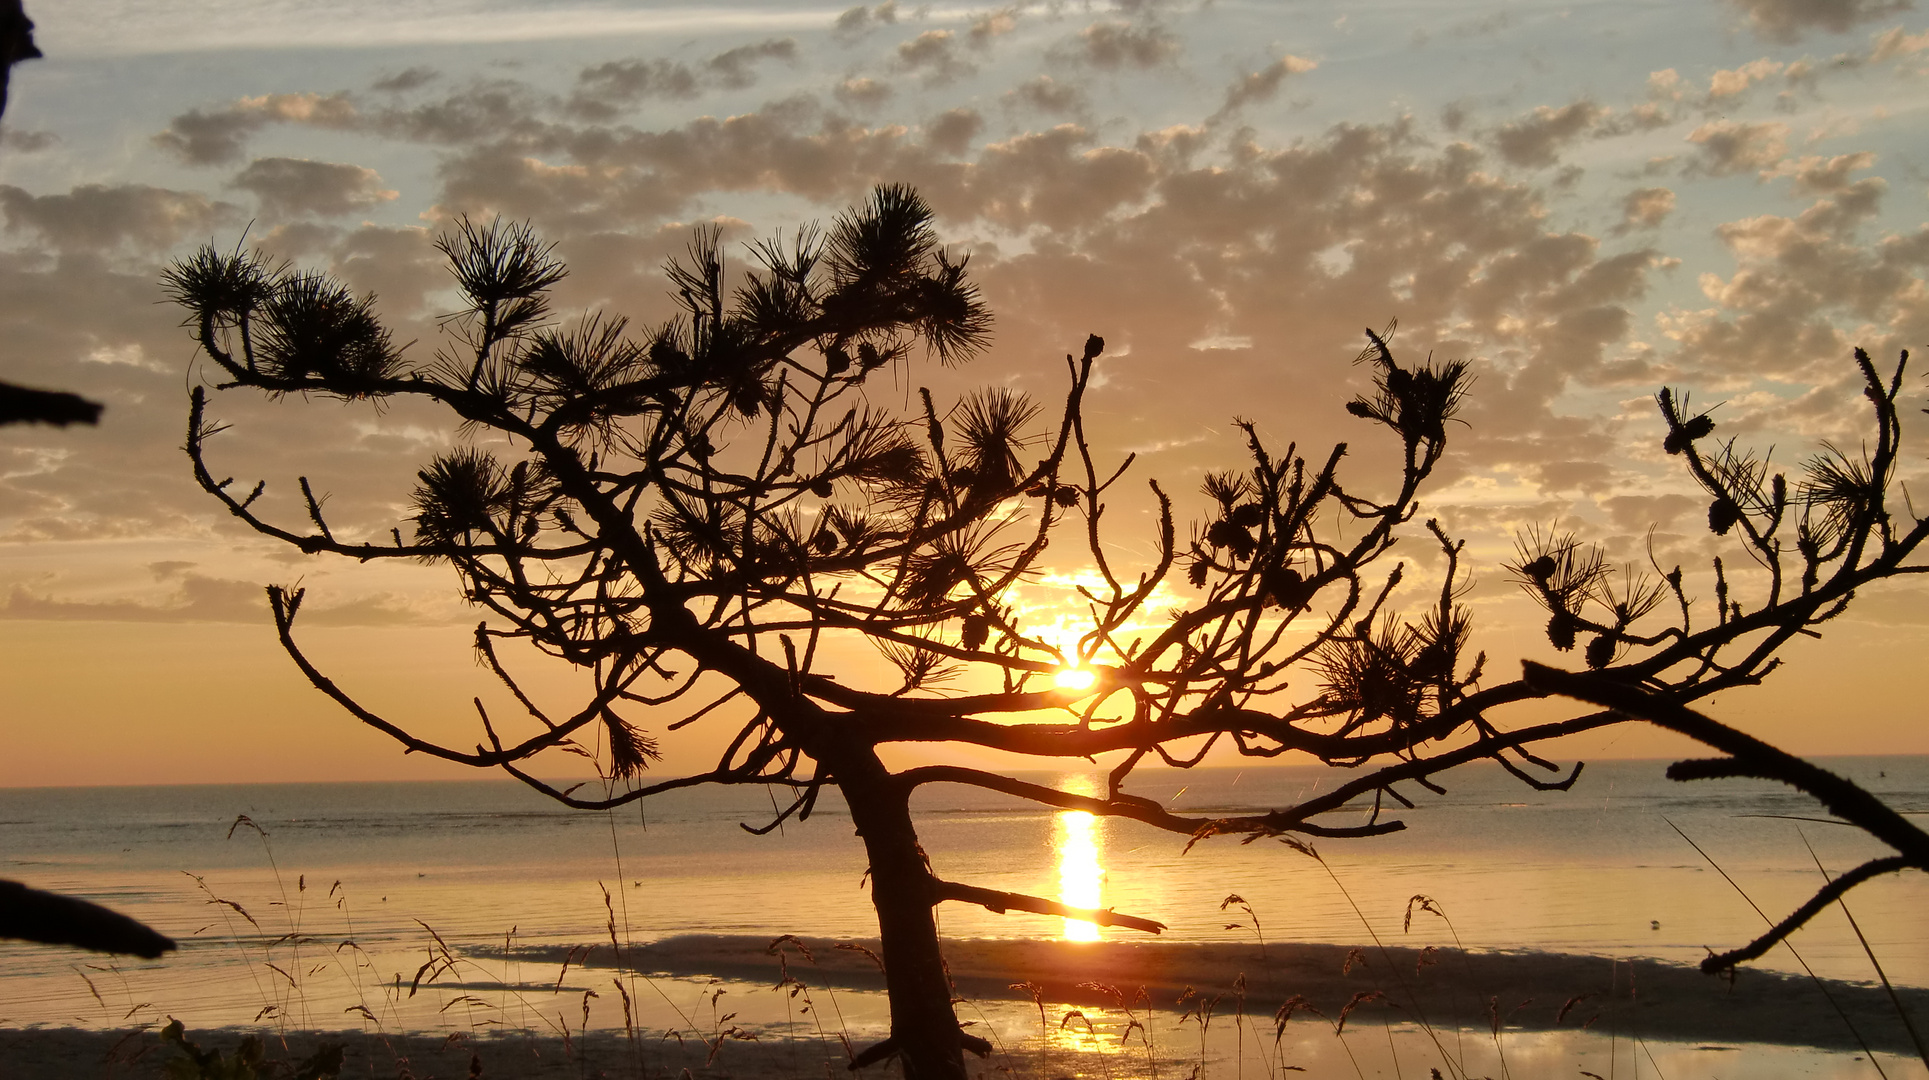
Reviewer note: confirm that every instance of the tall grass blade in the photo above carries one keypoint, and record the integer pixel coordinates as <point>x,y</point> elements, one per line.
<point>1894,998</point>
<point>1816,979</point>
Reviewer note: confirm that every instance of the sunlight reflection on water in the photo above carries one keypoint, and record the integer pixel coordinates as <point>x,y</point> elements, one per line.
<point>1078,842</point>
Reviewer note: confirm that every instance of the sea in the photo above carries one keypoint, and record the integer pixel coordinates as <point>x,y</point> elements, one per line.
<point>338,905</point>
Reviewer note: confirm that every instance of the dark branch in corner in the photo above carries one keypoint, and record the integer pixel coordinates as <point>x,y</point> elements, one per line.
<point>19,405</point>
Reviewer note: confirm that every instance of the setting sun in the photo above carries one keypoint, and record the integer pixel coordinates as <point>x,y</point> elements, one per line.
<point>1075,678</point>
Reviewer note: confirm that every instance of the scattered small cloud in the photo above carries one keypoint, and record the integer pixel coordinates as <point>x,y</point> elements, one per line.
<point>735,69</point>
<point>1788,21</point>
<point>1645,208</point>
<point>1731,82</point>
<point>603,91</point>
<point>1726,147</point>
<point>1893,43</point>
<point>1048,95</point>
<point>1667,85</point>
<point>934,54</point>
<point>1113,45</point>
<point>414,78</point>
<point>1535,141</point>
<point>1817,175</point>
<point>861,92</point>
<point>992,25</point>
<point>856,22</point>
<point>1263,85</point>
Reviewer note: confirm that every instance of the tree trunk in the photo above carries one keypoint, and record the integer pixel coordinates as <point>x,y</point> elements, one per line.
<point>924,1027</point>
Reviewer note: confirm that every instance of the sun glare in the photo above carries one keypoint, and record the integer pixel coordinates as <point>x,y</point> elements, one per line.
<point>1075,678</point>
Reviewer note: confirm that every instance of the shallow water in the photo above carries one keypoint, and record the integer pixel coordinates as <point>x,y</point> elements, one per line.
<point>1596,870</point>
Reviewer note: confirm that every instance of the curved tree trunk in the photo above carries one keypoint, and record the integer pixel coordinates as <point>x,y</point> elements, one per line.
<point>924,1027</point>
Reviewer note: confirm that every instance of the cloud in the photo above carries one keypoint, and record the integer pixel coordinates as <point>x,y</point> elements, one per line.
<point>951,132</point>
<point>198,598</point>
<point>1645,208</point>
<point>481,109</point>
<point>861,92</point>
<point>407,79</point>
<point>1732,82</point>
<point>1159,252</point>
<point>400,266</point>
<point>1156,239</point>
<point>630,177</point>
<point>293,187</point>
<point>1667,85</point>
<point>1115,45</point>
<point>216,138</point>
<point>992,25</point>
<point>856,22</point>
<point>101,217</point>
<point>601,90</point>
<point>1192,239</point>
<point>1590,476</point>
<point>1893,42</point>
<point>1805,290</point>
<point>1637,513</point>
<point>1787,21</point>
<point>735,69</point>
<point>1048,95</point>
<point>605,90</point>
<point>1536,140</point>
<point>94,324</point>
<point>1816,175</point>
<point>1726,147</point>
<point>936,54</point>
<point>28,142</point>
<point>1262,85</point>
<point>1056,179</point>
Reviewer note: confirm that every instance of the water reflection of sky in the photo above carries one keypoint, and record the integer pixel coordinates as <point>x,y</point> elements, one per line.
<point>1078,841</point>
<point>1591,870</point>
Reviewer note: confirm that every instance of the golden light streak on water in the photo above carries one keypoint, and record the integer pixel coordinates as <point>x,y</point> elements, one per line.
<point>1079,843</point>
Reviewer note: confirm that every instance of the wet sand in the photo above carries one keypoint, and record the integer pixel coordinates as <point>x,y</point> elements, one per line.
<point>70,1054</point>
<point>1531,991</point>
<point>1527,992</point>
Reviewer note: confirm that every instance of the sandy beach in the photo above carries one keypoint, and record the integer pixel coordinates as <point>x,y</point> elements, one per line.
<point>1532,991</point>
<point>1529,992</point>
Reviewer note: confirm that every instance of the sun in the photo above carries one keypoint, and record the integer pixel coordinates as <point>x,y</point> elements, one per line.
<point>1075,678</point>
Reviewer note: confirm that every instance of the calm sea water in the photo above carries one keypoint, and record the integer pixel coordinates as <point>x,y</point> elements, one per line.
<point>1596,870</point>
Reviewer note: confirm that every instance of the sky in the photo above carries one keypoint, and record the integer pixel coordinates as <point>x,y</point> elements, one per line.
<point>1587,201</point>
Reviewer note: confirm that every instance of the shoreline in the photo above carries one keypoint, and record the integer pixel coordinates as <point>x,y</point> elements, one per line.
<point>1573,1003</point>
<point>1530,991</point>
